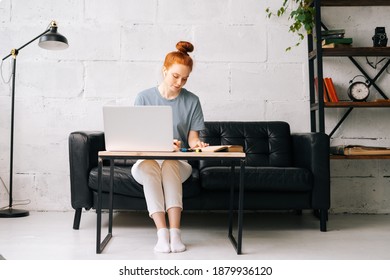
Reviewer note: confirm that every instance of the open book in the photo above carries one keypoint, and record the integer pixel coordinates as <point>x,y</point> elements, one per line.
<point>223,148</point>
<point>356,150</point>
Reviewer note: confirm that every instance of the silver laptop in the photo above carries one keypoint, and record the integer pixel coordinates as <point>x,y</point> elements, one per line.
<point>138,128</point>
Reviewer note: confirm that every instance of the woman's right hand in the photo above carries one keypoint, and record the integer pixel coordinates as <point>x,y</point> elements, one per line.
<point>176,145</point>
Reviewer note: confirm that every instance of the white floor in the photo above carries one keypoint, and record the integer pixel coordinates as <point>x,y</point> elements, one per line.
<point>267,236</point>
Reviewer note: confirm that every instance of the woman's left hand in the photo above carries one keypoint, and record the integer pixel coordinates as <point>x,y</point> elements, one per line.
<point>200,144</point>
<point>194,140</point>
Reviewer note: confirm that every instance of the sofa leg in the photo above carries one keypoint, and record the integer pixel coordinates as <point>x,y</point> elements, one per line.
<point>323,219</point>
<point>77,217</point>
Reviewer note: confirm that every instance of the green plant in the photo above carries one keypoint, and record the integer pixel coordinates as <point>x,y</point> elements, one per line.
<point>302,14</point>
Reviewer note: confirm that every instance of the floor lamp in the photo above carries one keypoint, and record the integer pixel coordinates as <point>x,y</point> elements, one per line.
<point>50,40</point>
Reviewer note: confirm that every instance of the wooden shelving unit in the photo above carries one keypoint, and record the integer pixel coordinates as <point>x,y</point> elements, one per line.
<point>350,104</point>
<point>317,54</point>
<point>357,51</point>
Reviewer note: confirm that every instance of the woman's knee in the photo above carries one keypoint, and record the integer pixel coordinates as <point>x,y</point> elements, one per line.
<point>149,167</point>
<point>176,169</point>
<point>170,164</point>
<point>146,171</point>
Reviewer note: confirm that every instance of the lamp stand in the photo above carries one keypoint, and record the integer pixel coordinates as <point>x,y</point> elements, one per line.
<point>10,212</point>
<point>13,213</point>
<point>50,39</point>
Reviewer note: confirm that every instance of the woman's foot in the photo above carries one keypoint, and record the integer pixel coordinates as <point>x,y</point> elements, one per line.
<point>162,245</point>
<point>177,245</point>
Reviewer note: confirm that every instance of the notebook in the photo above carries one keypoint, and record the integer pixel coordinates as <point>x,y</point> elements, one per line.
<point>138,128</point>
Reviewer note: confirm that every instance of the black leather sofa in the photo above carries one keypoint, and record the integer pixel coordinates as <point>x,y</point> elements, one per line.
<point>284,171</point>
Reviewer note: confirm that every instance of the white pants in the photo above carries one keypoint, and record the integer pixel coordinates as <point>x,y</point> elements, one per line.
<point>162,182</point>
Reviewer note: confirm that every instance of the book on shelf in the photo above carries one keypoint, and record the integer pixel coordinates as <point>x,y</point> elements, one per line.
<point>332,94</point>
<point>332,36</point>
<point>330,32</point>
<point>344,41</point>
<point>334,45</point>
<point>359,150</point>
<point>336,42</point>
<point>325,93</point>
<point>223,148</point>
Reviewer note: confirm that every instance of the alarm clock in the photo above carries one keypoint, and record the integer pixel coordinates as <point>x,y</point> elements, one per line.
<point>358,91</point>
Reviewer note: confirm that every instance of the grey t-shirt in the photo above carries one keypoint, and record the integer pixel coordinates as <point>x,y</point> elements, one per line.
<point>186,108</point>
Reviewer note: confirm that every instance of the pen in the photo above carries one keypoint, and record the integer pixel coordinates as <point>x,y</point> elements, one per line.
<point>185,150</point>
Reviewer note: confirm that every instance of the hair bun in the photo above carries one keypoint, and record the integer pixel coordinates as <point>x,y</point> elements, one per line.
<point>184,47</point>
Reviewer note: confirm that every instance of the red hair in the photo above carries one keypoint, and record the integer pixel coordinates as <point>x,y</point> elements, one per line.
<point>180,56</point>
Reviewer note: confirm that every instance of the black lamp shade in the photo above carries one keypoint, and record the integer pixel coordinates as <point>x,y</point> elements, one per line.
<point>53,40</point>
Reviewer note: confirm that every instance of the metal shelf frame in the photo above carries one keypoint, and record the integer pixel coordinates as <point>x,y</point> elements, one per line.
<point>316,55</point>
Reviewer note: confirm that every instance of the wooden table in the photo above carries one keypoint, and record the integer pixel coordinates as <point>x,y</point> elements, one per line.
<point>111,156</point>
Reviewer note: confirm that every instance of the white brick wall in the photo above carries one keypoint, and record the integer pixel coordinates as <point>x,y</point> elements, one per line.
<point>121,12</point>
<point>151,42</point>
<point>116,50</point>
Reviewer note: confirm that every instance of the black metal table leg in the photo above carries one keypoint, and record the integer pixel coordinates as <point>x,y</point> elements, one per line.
<point>111,197</point>
<point>99,207</point>
<point>241,205</point>
<point>237,244</point>
<point>231,204</point>
<point>101,245</point>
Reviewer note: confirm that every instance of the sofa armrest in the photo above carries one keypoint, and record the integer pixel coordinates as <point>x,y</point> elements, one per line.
<point>311,151</point>
<point>83,156</point>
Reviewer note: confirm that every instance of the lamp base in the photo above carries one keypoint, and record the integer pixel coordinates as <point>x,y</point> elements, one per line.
<point>13,213</point>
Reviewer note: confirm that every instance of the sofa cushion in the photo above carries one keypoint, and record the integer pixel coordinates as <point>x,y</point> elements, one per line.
<point>258,178</point>
<point>125,184</point>
<point>265,143</point>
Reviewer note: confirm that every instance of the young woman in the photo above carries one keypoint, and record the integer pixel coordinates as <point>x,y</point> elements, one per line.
<point>162,180</point>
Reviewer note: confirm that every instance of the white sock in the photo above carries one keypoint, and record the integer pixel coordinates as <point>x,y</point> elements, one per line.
<point>177,245</point>
<point>162,245</point>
